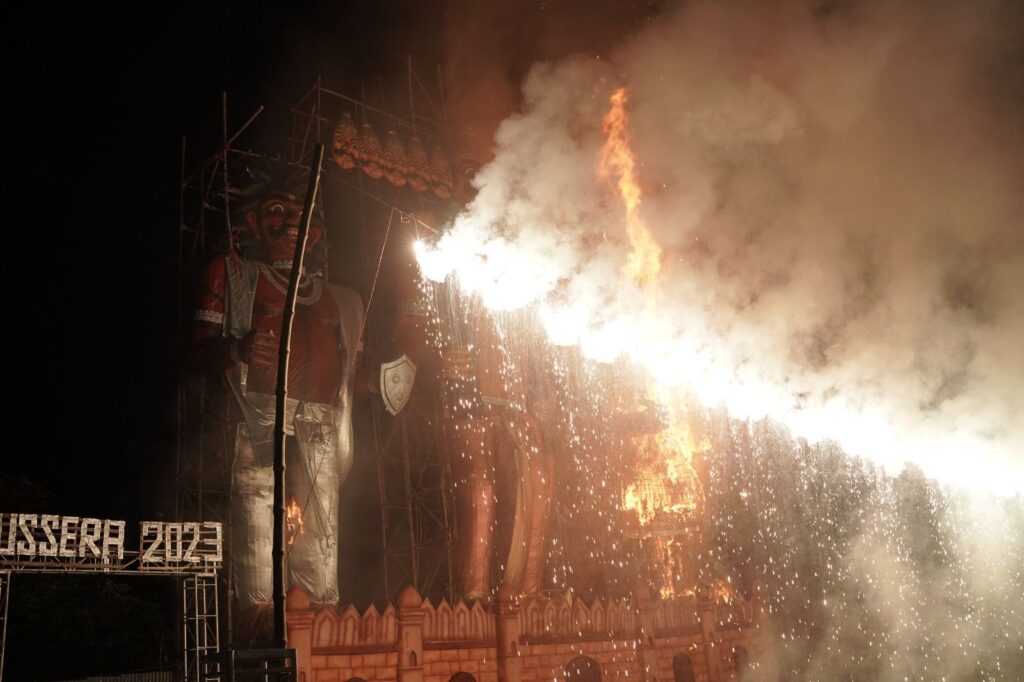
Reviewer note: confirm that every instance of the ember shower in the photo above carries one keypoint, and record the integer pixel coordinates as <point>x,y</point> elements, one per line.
<point>835,194</point>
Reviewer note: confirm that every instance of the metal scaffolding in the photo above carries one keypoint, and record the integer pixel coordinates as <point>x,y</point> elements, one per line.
<point>5,595</point>
<point>200,621</point>
<point>413,500</point>
<point>200,627</point>
<point>205,428</point>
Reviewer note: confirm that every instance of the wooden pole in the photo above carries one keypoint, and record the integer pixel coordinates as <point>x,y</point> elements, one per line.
<point>280,636</point>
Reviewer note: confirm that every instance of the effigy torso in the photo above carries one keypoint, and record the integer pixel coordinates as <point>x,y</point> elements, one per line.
<point>315,367</point>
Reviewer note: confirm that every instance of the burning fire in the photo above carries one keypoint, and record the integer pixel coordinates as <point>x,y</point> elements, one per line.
<point>665,497</point>
<point>644,260</point>
<point>667,487</point>
<point>666,556</point>
<point>721,592</point>
<point>295,523</point>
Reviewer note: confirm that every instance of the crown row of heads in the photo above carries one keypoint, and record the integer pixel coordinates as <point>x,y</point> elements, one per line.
<point>398,161</point>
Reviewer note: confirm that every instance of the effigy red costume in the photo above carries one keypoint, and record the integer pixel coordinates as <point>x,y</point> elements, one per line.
<point>237,326</point>
<point>490,421</point>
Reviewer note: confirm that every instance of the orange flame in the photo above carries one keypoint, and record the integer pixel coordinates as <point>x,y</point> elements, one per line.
<point>666,495</point>
<point>667,558</point>
<point>667,484</point>
<point>721,592</point>
<point>644,260</point>
<point>295,524</point>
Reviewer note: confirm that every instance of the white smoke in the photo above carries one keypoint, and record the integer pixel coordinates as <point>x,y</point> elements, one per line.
<point>839,193</point>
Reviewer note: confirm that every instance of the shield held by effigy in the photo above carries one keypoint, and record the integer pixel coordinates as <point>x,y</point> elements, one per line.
<point>396,379</point>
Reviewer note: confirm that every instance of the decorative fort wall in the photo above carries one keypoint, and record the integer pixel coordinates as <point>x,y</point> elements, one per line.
<point>686,638</point>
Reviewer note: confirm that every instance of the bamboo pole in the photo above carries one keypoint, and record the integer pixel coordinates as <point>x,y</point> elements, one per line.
<point>280,636</point>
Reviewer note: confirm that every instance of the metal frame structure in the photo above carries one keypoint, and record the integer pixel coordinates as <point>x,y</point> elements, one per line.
<point>5,597</point>
<point>201,627</point>
<point>205,430</point>
<point>256,665</point>
<point>199,622</point>
<point>415,520</point>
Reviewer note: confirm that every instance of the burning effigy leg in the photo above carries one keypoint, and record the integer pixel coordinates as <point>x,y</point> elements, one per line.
<point>524,567</point>
<point>541,477</point>
<point>473,472</point>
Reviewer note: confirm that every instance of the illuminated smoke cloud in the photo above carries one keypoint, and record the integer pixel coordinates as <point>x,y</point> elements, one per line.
<point>837,192</point>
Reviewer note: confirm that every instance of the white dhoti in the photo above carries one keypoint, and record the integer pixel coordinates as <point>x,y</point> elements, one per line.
<point>318,457</point>
<point>313,478</point>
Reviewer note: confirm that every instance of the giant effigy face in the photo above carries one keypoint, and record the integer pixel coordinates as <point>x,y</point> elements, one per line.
<point>275,220</point>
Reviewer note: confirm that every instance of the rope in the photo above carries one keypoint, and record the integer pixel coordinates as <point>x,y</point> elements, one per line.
<point>376,276</point>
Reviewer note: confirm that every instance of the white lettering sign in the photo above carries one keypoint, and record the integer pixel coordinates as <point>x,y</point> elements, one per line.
<point>180,546</point>
<point>48,541</point>
<point>31,539</point>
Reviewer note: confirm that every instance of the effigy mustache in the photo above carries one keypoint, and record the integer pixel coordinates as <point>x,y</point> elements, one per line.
<point>278,231</point>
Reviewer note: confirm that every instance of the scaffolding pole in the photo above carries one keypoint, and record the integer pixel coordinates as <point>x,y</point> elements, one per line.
<point>200,628</point>
<point>5,598</point>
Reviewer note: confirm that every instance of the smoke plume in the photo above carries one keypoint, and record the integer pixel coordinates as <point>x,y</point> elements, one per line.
<point>837,190</point>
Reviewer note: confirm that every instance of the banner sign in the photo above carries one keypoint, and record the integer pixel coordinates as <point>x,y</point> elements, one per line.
<point>61,543</point>
<point>180,546</point>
